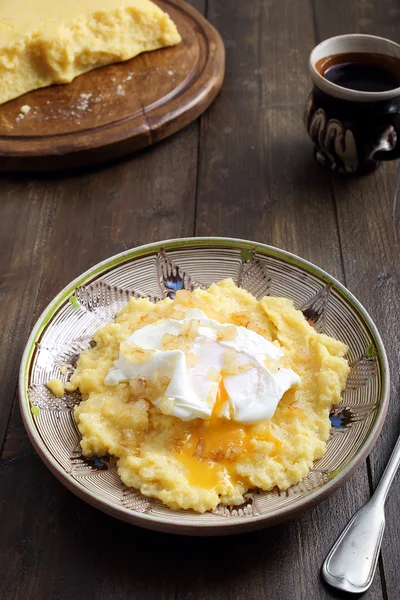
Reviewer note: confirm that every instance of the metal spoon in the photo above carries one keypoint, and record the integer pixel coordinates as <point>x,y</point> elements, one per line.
<point>351,563</point>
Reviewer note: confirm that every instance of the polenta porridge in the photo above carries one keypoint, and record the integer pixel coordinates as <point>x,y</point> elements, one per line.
<point>209,395</point>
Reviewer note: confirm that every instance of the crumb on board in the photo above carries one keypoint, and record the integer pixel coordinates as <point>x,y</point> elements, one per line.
<point>23,111</point>
<point>83,101</point>
<point>56,386</point>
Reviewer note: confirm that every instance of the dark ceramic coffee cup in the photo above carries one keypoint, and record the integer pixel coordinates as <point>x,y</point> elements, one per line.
<point>352,130</point>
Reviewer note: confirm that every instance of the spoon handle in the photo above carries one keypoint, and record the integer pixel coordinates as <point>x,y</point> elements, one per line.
<point>386,481</point>
<point>351,563</point>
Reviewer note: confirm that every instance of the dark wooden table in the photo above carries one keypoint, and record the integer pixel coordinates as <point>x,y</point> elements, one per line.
<point>245,169</point>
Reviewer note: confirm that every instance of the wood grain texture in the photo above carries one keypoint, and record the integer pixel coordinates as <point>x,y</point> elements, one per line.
<point>88,217</point>
<point>368,217</point>
<point>114,110</point>
<point>256,179</point>
<point>26,210</point>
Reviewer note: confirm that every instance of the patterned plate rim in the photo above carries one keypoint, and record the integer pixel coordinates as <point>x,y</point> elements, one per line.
<point>193,527</point>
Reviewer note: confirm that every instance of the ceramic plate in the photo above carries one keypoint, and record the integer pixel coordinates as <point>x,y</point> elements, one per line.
<point>158,270</point>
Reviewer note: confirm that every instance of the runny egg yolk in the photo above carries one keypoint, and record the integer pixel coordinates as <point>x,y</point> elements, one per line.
<point>220,401</point>
<point>212,446</point>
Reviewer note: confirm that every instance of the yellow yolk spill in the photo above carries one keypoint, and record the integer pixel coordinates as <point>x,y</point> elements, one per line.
<point>221,399</point>
<point>212,447</point>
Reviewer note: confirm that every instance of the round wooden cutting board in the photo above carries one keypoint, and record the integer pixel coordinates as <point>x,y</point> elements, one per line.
<point>117,109</point>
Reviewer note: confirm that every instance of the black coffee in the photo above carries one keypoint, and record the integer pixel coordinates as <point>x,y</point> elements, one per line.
<point>361,71</point>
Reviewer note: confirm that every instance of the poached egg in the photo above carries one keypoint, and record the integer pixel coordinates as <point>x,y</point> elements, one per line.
<point>226,376</point>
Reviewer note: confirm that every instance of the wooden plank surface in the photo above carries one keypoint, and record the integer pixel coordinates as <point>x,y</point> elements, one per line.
<point>258,181</point>
<point>368,219</point>
<point>244,170</point>
<point>89,216</point>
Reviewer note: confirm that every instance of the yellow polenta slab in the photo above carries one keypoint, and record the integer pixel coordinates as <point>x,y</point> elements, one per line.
<point>200,464</point>
<point>43,42</point>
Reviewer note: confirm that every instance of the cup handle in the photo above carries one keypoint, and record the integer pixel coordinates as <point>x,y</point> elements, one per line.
<point>388,143</point>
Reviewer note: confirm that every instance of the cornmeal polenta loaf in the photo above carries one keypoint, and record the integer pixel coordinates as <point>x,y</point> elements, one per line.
<point>43,42</point>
